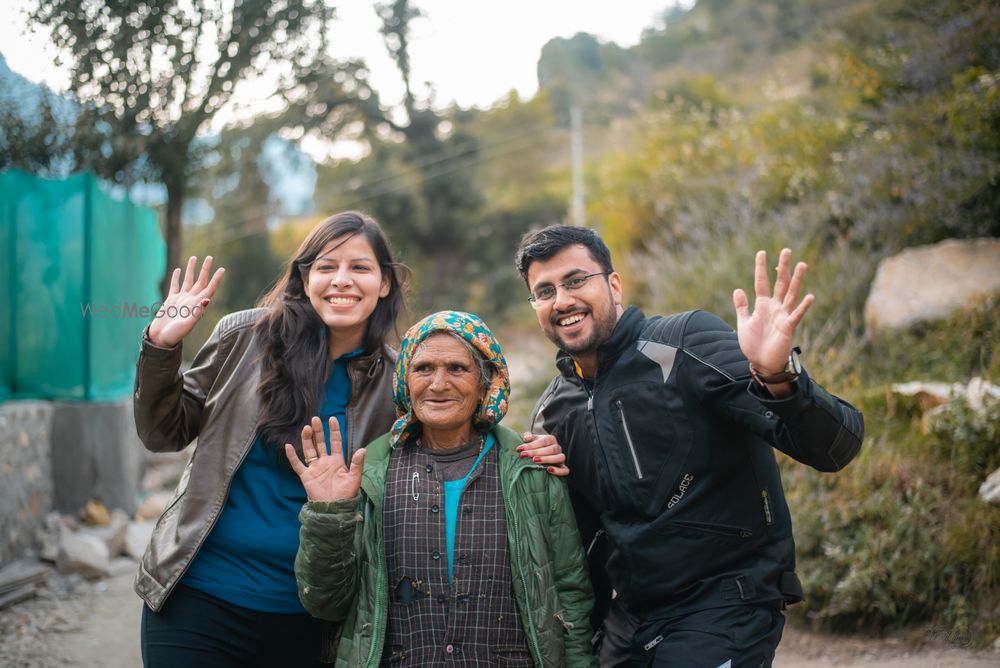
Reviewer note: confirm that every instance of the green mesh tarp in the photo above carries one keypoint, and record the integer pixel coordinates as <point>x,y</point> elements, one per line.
<point>78,269</point>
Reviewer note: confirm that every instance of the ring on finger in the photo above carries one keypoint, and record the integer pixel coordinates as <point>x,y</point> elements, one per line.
<point>310,460</point>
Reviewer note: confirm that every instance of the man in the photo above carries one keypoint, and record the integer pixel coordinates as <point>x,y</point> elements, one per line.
<point>668,425</point>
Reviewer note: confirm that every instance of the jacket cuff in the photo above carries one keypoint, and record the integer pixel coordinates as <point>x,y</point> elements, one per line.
<point>151,351</point>
<point>324,512</point>
<point>786,407</point>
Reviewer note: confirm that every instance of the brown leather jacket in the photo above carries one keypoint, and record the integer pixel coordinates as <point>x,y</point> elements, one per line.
<point>216,402</point>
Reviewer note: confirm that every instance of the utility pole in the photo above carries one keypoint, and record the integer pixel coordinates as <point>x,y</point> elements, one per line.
<point>576,156</point>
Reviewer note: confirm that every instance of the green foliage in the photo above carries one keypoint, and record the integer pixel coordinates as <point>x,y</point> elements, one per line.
<point>900,537</point>
<point>39,144</point>
<point>951,350</point>
<point>971,436</point>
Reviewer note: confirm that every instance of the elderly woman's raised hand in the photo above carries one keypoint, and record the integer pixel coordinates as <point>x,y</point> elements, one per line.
<point>324,476</point>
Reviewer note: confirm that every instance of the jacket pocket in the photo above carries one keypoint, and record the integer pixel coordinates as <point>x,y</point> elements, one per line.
<point>726,530</point>
<point>513,656</point>
<point>629,443</point>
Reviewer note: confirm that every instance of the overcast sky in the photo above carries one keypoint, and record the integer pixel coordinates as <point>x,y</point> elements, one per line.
<point>472,52</point>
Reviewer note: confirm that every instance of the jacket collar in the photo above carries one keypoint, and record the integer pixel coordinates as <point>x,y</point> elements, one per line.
<point>377,455</point>
<point>369,362</point>
<point>626,331</point>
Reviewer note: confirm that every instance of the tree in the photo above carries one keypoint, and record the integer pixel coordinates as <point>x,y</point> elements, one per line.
<point>151,75</point>
<point>436,201</point>
<point>36,143</point>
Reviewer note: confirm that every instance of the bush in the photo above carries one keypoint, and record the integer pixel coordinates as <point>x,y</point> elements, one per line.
<point>901,537</point>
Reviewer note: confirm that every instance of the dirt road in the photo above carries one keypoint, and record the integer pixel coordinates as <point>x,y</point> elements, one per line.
<point>96,625</point>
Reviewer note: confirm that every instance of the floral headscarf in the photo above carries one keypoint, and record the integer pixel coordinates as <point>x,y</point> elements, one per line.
<point>471,328</point>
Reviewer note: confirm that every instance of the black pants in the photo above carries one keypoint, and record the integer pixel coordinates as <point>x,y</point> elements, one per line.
<point>196,630</point>
<point>741,636</point>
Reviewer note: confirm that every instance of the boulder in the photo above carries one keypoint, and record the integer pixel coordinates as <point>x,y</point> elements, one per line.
<point>83,553</point>
<point>930,282</point>
<point>113,534</point>
<point>989,491</point>
<point>137,538</point>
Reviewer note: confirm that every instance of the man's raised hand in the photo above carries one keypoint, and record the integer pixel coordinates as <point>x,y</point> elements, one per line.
<point>766,334</point>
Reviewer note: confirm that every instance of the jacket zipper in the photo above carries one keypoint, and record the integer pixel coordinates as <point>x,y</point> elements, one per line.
<point>375,653</point>
<point>628,439</point>
<point>532,639</point>
<point>720,529</point>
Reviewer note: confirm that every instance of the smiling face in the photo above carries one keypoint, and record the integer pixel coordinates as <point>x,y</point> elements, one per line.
<point>343,284</point>
<point>578,321</point>
<point>445,389</point>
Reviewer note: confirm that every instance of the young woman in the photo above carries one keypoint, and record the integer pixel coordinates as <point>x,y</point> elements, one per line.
<point>218,579</point>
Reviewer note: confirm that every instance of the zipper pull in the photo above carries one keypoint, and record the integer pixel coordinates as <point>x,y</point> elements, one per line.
<point>768,515</point>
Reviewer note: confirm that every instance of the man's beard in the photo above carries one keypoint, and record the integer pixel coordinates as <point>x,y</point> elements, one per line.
<point>601,331</point>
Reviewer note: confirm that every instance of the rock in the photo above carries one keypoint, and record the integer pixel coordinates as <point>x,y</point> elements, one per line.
<point>989,491</point>
<point>95,513</point>
<point>137,538</point>
<point>928,395</point>
<point>121,566</point>
<point>979,392</point>
<point>83,553</point>
<point>930,282</point>
<point>48,536</point>
<point>932,399</point>
<point>113,534</point>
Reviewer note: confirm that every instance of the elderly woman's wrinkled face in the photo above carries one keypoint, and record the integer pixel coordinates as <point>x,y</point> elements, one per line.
<point>445,387</point>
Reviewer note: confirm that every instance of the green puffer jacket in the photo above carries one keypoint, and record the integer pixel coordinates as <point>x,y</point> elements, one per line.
<point>341,567</point>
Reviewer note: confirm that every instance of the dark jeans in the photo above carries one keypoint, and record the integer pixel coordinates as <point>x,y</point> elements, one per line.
<point>742,636</point>
<point>196,630</point>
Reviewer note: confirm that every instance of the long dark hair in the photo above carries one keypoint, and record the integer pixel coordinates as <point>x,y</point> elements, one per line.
<point>292,336</point>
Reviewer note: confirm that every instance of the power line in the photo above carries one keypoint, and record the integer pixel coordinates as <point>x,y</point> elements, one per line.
<point>471,160</point>
<point>443,156</point>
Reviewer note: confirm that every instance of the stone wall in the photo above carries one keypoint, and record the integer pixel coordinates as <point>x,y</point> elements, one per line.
<point>25,475</point>
<point>58,455</point>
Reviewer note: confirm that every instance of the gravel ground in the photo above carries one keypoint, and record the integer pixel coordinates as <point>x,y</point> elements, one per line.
<point>72,622</point>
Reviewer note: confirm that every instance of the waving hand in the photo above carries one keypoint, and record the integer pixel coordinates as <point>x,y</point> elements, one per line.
<point>325,477</point>
<point>766,334</point>
<point>184,303</point>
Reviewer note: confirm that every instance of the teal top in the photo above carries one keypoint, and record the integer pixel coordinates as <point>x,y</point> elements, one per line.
<point>248,558</point>
<point>452,496</point>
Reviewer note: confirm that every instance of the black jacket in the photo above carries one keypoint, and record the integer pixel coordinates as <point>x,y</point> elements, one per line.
<point>670,452</point>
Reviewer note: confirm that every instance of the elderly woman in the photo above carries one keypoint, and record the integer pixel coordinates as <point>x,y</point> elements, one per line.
<point>457,549</point>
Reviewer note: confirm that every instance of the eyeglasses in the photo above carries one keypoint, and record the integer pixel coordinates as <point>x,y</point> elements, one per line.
<point>546,293</point>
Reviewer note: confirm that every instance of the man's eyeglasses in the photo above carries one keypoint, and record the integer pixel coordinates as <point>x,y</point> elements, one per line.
<point>546,293</point>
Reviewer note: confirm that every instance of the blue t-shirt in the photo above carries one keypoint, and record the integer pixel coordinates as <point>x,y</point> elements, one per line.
<point>248,559</point>
<point>452,496</point>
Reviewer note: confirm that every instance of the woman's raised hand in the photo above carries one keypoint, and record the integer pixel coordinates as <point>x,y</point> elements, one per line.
<point>325,477</point>
<point>184,304</point>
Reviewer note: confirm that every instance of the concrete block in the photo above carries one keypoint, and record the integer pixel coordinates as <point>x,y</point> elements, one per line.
<point>96,454</point>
